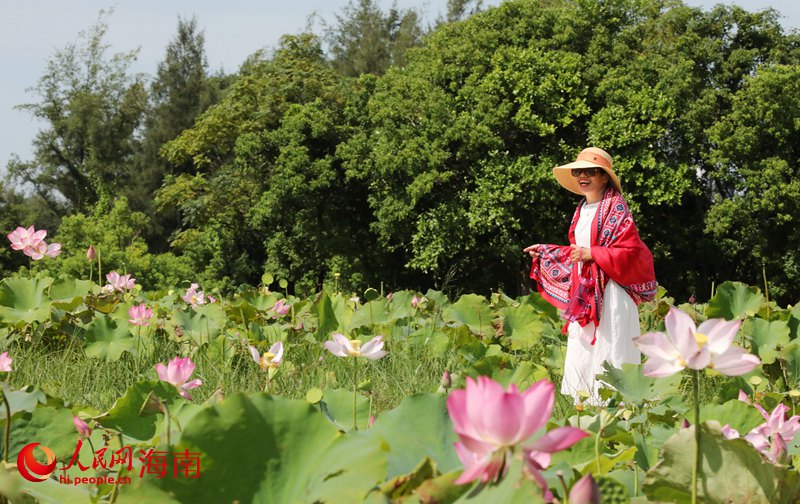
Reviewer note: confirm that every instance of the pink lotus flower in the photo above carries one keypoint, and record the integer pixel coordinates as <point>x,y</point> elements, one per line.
<point>280,308</point>
<point>414,301</point>
<point>91,255</point>
<point>342,347</point>
<point>271,359</point>
<point>42,249</point>
<point>685,345</point>
<point>195,297</point>
<point>5,362</point>
<point>770,438</point>
<point>117,282</point>
<point>729,433</point>
<point>177,372</point>
<point>585,491</point>
<point>140,315</point>
<point>22,238</point>
<point>82,427</point>
<point>491,422</point>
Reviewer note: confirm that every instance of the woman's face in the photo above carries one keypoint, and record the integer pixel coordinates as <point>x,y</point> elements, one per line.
<point>592,186</point>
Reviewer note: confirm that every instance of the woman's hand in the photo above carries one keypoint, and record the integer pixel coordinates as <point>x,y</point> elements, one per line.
<point>580,253</point>
<point>533,249</point>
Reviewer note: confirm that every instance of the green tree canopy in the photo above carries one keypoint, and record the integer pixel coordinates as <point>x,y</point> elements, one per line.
<point>91,106</point>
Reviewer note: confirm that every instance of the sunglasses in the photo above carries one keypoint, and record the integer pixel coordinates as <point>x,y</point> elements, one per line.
<point>589,172</point>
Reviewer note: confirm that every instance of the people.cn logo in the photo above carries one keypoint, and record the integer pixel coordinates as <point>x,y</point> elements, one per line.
<point>30,468</point>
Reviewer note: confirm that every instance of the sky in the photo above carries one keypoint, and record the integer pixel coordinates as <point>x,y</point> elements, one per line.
<point>32,31</point>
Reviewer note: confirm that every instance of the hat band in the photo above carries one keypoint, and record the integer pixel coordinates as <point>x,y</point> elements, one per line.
<point>594,158</point>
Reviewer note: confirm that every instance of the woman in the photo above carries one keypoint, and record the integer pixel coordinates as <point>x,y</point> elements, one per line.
<point>599,278</point>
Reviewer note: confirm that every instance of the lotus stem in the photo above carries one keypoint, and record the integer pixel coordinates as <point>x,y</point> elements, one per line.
<point>115,490</point>
<point>8,428</point>
<point>563,486</point>
<point>355,390</point>
<point>696,465</point>
<point>766,287</point>
<point>597,449</point>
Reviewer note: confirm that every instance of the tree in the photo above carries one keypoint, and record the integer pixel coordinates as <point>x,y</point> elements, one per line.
<point>464,137</point>
<point>367,40</point>
<point>180,92</point>
<point>91,106</point>
<point>460,9</point>
<point>268,191</point>
<point>754,225</point>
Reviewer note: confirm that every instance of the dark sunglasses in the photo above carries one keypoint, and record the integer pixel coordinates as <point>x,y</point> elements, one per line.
<point>589,172</point>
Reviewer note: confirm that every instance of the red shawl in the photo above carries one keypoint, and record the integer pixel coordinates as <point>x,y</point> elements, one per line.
<point>618,253</point>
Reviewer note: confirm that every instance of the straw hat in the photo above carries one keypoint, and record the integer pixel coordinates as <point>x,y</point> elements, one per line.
<point>591,157</point>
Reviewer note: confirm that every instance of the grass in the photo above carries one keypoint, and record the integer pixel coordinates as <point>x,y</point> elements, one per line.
<point>66,372</point>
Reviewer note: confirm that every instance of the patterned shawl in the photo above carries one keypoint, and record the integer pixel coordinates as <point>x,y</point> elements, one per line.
<point>618,252</point>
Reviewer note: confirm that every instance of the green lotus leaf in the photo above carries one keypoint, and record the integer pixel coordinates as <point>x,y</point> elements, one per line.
<point>734,300</point>
<point>337,405</point>
<point>68,293</point>
<point>24,300</point>
<point>473,311</point>
<point>731,471</point>
<point>107,338</point>
<point>50,426</point>
<point>635,387</point>
<point>523,325</point>
<point>260,448</point>
<point>132,414</point>
<point>417,428</point>
<point>768,337</point>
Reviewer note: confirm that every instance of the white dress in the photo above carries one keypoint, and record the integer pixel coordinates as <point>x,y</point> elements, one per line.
<point>619,324</point>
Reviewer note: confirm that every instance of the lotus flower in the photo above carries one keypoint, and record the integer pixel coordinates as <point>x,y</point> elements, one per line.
<point>729,433</point>
<point>686,345</point>
<point>280,308</point>
<point>414,301</point>
<point>177,372</point>
<point>140,315</point>
<point>271,359</point>
<point>5,362</point>
<point>82,427</point>
<point>42,249</point>
<point>342,347</point>
<point>117,282</point>
<point>770,438</point>
<point>22,238</point>
<point>585,491</point>
<point>91,255</point>
<point>491,422</point>
<point>195,297</point>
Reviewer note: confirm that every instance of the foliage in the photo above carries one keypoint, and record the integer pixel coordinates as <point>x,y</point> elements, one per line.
<point>91,107</point>
<point>435,154</point>
<point>117,237</point>
<point>70,339</point>
<point>181,90</point>
<point>367,40</point>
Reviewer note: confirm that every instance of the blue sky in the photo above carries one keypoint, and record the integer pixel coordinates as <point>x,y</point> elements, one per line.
<point>30,32</point>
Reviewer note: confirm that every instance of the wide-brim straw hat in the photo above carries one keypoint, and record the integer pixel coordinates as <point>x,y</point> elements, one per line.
<point>590,157</point>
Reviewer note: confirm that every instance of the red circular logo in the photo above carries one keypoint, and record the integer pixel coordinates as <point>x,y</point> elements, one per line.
<point>30,468</point>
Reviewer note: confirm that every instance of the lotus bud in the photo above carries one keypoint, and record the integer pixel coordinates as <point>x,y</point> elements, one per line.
<point>414,301</point>
<point>91,255</point>
<point>585,491</point>
<point>446,380</point>
<point>82,427</point>
<point>371,420</point>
